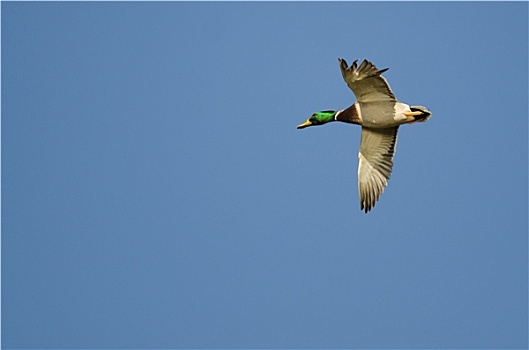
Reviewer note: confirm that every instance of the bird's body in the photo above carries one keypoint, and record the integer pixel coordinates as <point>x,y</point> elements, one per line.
<point>380,114</point>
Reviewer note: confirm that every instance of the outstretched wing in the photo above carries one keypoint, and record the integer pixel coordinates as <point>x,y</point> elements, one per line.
<point>366,81</point>
<point>375,162</point>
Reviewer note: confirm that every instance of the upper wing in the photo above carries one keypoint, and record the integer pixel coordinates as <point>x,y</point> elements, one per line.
<point>366,81</point>
<point>375,162</point>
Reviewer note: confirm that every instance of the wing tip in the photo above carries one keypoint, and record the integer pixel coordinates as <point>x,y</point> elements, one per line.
<point>365,69</point>
<point>365,209</point>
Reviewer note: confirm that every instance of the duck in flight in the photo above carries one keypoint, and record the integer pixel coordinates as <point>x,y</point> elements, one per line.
<point>380,114</point>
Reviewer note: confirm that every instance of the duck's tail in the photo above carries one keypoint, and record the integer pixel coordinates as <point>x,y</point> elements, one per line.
<point>425,113</point>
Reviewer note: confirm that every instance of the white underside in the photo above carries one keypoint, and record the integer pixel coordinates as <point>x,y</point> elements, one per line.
<point>401,108</point>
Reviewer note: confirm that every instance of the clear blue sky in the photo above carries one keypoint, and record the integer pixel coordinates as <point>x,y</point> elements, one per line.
<point>156,192</point>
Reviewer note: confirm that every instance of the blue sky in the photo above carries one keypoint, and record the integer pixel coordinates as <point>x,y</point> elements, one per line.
<point>156,192</point>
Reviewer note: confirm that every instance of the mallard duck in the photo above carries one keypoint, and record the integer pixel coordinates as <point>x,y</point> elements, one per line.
<point>379,113</point>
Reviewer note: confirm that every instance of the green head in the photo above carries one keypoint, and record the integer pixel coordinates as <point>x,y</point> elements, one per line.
<point>318,118</point>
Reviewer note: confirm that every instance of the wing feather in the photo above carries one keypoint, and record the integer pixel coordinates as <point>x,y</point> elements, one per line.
<point>366,81</point>
<point>375,163</point>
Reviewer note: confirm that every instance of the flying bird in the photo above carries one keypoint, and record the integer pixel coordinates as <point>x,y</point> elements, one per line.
<point>379,113</point>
